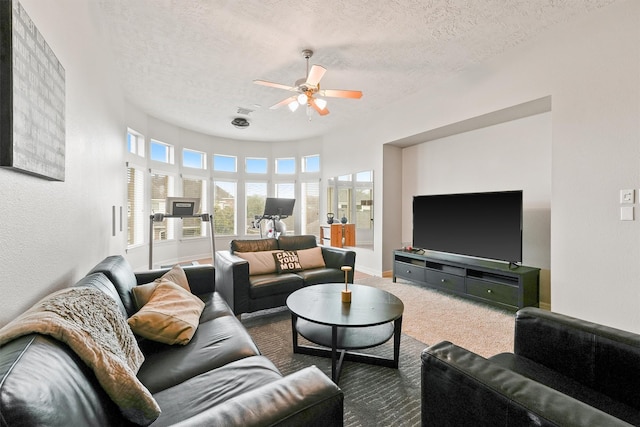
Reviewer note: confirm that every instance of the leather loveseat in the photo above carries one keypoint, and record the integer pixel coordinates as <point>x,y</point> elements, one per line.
<point>218,379</point>
<point>563,372</point>
<point>248,288</point>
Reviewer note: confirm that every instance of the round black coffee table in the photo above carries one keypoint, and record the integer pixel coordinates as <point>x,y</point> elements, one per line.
<point>371,318</point>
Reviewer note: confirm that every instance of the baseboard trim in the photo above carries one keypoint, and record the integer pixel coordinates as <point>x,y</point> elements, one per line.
<point>545,306</point>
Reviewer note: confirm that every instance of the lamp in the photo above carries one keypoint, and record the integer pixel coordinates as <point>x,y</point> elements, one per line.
<point>302,98</point>
<point>321,103</point>
<point>293,106</point>
<point>346,294</point>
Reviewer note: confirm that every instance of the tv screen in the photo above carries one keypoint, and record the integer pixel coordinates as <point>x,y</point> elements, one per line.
<point>484,225</point>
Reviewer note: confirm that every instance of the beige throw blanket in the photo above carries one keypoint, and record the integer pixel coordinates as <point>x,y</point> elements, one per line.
<point>90,323</point>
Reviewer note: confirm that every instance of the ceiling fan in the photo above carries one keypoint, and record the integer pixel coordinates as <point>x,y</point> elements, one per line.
<point>308,88</point>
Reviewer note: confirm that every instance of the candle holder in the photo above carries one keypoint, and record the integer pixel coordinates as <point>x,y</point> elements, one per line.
<point>346,294</point>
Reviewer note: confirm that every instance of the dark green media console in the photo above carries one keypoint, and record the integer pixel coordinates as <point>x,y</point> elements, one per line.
<point>504,285</point>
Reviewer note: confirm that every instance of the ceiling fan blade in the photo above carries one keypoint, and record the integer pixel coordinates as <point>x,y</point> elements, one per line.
<point>284,102</point>
<point>315,106</point>
<point>315,74</point>
<point>276,85</point>
<point>338,93</point>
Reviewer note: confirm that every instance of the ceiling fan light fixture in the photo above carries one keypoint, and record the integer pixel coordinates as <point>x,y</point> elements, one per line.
<point>321,103</point>
<point>307,89</point>
<point>293,106</point>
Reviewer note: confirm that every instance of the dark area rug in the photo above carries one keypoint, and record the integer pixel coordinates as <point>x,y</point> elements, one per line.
<point>373,395</point>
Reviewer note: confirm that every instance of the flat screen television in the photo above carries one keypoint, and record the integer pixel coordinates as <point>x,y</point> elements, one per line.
<point>484,225</point>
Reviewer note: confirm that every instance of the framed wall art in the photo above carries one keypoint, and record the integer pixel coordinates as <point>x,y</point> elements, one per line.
<point>32,98</point>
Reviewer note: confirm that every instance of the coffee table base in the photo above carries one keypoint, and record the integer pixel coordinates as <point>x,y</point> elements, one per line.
<point>341,340</point>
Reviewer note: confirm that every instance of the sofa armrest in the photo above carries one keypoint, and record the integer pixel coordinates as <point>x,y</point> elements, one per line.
<point>338,257</point>
<point>462,388</point>
<point>602,358</point>
<point>232,280</point>
<point>201,277</point>
<point>305,398</point>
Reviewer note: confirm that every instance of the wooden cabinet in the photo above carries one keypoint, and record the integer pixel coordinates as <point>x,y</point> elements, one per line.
<point>499,284</point>
<point>338,235</point>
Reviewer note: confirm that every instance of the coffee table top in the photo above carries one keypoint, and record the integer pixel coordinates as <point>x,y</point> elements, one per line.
<point>322,304</point>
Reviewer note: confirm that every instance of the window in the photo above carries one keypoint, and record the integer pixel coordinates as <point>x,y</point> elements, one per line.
<point>344,204</point>
<point>310,208</point>
<point>364,200</point>
<point>364,208</point>
<point>311,163</point>
<point>255,165</point>
<point>192,227</point>
<point>161,152</point>
<point>224,208</point>
<point>135,206</point>
<point>286,166</point>
<point>161,188</point>
<point>225,163</point>
<point>255,198</point>
<point>193,159</point>
<point>286,190</point>
<point>135,143</point>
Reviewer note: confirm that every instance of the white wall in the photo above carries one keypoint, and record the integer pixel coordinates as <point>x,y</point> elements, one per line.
<point>52,233</point>
<point>591,70</point>
<point>515,155</point>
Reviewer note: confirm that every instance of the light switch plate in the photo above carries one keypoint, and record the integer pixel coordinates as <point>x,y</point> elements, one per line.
<point>626,213</point>
<point>627,196</point>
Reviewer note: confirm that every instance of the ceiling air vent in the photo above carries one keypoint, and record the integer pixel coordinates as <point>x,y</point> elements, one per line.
<point>245,111</point>
<point>240,123</point>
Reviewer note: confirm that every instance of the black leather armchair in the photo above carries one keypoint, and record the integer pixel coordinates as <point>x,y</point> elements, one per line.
<point>563,372</point>
<point>245,293</point>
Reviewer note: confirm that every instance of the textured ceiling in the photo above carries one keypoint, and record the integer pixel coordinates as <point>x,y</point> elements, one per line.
<point>192,62</point>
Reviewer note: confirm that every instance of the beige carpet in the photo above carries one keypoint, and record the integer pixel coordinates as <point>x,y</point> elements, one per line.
<point>431,316</point>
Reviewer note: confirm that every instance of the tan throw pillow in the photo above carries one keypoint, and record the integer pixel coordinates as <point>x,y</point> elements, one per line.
<point>142,293</point>
<point>287,262</point>
<point>260,262</point>
<point>177,276</point>
<point>171,316</point>
<point>311,258</point>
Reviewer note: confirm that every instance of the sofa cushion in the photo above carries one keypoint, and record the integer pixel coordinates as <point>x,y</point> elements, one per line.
<point>316,276</point>
<point>43,382</point>
<point>566,385</point>
<point>120,273</point>
<point>267,285</point>
<point>287,261</point>
<point>254,245</point>
<point>260,262</point>
<point>216,342</point>
<point>142,293</point>
<point>171,316</point>
<point>213,388</point>
<point>311,258</point>
<point>292,243</point>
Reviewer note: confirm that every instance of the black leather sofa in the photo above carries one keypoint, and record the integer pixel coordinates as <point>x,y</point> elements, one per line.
<point>247,293</point>
<point>563,372</point>
<point>218,379</point>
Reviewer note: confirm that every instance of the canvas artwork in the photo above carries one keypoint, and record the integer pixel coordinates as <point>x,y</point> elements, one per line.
<point>32,98</point>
